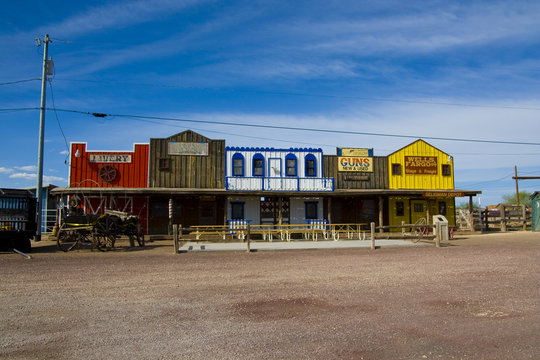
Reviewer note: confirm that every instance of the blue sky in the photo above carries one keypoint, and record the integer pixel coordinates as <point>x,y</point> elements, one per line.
<point>421,69</point>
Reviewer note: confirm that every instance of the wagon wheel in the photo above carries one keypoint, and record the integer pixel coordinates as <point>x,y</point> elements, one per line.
<point>67,239</point>
<point>107,173</point>
<point>102,242</point>
<point>420,231</point>
<point>104,233</point>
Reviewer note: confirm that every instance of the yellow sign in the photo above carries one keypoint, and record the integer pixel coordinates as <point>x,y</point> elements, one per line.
<point>355,163</point>
<point>354,152</point>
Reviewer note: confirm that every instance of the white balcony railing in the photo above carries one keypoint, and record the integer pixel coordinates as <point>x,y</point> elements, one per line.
<point>234,183</point>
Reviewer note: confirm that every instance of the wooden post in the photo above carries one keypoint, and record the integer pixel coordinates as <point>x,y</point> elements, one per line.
<point>175,238</point>
<point>381,217</point>
<point>524,214</point>
<point>471,213</point>
<point>517,186</point>
<point>372,224</point>
<point>437,234</point>
<point>248,238</point>
<point>280,214</point>
<point>402,227</point>
<point>329,204</point>
<point>503,218</point>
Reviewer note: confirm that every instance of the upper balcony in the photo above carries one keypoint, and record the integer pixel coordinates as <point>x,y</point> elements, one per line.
<point>292,184</point>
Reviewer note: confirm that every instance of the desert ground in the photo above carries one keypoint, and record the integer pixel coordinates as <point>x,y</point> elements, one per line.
<point>476,297</point>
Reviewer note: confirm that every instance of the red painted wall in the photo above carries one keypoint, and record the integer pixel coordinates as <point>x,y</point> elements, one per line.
<point>84,173</point>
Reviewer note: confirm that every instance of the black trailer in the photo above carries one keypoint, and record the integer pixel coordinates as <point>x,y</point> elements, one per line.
<point>17,219</point>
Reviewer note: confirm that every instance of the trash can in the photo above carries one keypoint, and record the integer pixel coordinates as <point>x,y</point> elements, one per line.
<point>443,230</point>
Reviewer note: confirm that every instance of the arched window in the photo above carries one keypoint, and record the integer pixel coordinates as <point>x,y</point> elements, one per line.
<point>311,165</point>
<point>238,164</point>
<point>258,165</point>
<point>291,165</point>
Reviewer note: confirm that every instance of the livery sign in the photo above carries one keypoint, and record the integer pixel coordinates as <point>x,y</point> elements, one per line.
<point>109,158</point>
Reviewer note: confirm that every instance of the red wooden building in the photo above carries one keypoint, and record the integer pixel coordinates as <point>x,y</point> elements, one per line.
<point>109,179</point>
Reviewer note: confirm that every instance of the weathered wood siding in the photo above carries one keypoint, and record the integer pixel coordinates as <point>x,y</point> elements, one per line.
<point>188,171</point>
<point>378,179</point>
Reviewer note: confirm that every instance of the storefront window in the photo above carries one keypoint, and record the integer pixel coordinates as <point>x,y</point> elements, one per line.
<point>442,208</point>
<point>400,208</point>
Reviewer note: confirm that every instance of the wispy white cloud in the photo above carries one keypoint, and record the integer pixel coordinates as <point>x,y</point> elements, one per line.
<point>64,152</point>
<point>4,170</point>
<point>30,176</point>
<point>418,30</point>
<point>116,15</point>
<point>27,168</point>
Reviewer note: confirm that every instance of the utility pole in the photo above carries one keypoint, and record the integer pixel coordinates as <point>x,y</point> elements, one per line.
<point>39,187</point>
<point>521,178</point>
<point>517,186</point>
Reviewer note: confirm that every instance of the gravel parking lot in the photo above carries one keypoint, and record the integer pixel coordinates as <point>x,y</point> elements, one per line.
<point>476,297</point>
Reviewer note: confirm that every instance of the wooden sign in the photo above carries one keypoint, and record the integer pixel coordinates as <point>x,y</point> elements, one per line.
<point>188,148</point>
<point>421,165</point>
<point>109,158</point>
<point>355,163</point>
<point>443,194</point>
<point>355,152</point>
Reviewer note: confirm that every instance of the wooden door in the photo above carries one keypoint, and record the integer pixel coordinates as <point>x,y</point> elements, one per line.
<point>419,209</point>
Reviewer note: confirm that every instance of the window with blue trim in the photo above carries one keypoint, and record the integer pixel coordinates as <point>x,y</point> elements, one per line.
<point>238,164</point>
<point>311,210</point>
<point>237,210</point>
<point>311,165</point>
<point>291,165</point>
<point>258,165</point>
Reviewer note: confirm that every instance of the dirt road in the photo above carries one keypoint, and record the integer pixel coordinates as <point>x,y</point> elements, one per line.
<point>475,298</point>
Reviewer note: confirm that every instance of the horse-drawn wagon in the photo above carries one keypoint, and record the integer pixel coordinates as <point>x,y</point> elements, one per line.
<point>100,231</point>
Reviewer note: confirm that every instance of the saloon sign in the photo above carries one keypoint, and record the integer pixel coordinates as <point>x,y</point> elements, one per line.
<point>355,163</point>
<point>188,148</point>
<point>421,165</point>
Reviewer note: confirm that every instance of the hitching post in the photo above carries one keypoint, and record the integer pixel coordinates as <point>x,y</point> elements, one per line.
<point>175,238</point>
<point>248,238</point>
<point>372,236</point>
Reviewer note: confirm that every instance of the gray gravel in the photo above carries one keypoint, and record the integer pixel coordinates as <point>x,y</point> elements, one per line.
<point>475,298</point>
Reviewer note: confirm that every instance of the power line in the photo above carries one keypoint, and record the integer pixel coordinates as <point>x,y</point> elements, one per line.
<point>58,120</point>
<point>328,131</point>
<point>331,131</point>
<point>19,109</point>
<point>19,81</point>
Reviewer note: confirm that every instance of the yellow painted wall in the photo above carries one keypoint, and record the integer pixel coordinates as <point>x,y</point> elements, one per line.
<point>433,204</point>
<point>428,182</point>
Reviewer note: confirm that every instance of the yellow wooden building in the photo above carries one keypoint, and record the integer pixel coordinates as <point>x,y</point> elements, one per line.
<point>425,175</point>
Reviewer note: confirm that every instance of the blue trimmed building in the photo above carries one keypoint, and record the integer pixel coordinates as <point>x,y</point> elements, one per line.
<point>275,186</point>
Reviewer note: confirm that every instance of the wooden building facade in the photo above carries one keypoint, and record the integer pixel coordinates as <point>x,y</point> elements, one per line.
<point>191,180</point>
<point>272,186</point>
<point>186,182</point>
<point>354,199</point>
<point>108,179</point>
<point>421,166</point>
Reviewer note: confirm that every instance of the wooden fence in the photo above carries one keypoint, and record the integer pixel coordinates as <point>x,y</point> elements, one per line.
<point>503,218</point>
<point>314,232</point>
